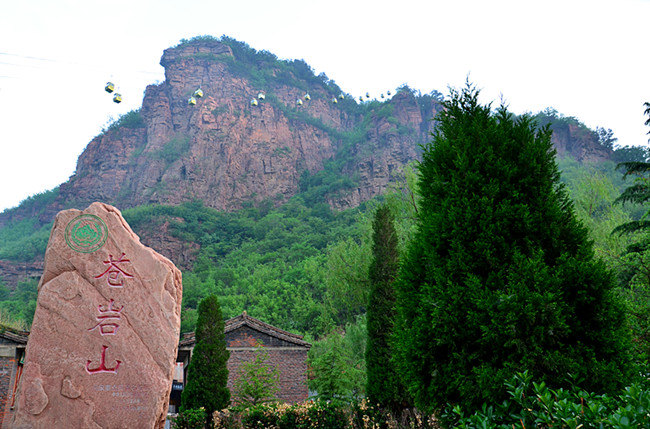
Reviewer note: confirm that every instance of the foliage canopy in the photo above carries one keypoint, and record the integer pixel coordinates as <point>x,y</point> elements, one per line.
<point>384,387</point>
<point>207,373</point>
<point>500,275</point>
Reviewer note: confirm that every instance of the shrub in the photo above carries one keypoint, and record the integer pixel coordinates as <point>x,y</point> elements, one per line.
<point>262,416</point>
<point>534,404</point>
<point>190,419</point>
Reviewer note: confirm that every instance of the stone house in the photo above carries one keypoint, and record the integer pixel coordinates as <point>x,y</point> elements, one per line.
<point>12,355</point>
<point>287,351</point>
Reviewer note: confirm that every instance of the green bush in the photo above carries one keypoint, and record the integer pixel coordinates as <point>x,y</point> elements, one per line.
<point>261,417</point>
<point>533,404</point>
<point>190,419</point>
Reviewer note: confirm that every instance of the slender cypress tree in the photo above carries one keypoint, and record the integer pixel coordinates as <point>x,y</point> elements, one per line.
<point>383,385</point>
<point>501,276</point>
<point>207,373</point>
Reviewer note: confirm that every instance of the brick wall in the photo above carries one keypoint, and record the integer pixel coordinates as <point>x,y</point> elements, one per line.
<point>7,366</point>
<point>291,364</point>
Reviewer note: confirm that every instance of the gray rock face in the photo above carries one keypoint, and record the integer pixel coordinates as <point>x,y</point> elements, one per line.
<point>102,348</point>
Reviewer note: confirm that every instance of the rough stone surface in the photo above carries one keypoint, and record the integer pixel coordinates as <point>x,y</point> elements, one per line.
<point>102,348</point>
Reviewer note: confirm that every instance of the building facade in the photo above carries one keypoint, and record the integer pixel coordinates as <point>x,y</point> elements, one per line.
<point>12,356</point>
<point>244,334</point>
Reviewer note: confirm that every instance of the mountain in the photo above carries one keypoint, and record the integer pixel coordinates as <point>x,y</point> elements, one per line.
<point>229,153</point>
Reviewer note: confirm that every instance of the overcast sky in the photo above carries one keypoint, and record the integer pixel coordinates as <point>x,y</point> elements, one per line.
<point>587,59</point>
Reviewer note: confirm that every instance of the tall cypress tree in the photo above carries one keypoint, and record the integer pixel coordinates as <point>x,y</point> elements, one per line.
<point>501,276</point>
<point>207,373</point>
<point>383,385</point>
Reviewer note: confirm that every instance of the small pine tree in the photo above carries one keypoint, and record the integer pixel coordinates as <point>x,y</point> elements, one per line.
<point>501,277</point>
<point>257,380</point>
<point>207,373</point>
<point>383,385</point>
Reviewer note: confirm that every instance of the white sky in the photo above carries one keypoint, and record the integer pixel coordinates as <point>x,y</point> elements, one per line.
<point>587,59</point>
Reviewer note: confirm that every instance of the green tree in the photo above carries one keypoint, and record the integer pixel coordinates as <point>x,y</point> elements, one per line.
<point>337,363</point>
<point>383,387</point>
<point>635,274</point>
<point>207,373</point>
<point>501,276</point>
<point>257,380</point>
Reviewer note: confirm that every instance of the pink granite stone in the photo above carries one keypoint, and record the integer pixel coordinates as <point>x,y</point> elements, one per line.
<point>102,348</point>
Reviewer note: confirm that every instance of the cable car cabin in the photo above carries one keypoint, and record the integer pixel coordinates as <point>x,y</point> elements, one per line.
<point>382,95</point>
<point>117,98</point>
<point>198,93</point>
<point>307,97</point>
<point>367,95</point>
<point>334,100</point>
<point>388,93</point>
<point>360,98</point>
<point>191,101</point>
<point>110,87</point>
<point>261,96</point>
<point>254,102</point>
<point>341,96</point>
<point>299,102</point>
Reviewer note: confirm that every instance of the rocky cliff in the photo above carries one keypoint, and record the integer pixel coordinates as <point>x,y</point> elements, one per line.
<point>228,152</point>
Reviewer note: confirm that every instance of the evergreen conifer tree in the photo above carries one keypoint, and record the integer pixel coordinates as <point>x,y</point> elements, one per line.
<point>383,385</point>
<point>207,373</point>
<point>501,276</point>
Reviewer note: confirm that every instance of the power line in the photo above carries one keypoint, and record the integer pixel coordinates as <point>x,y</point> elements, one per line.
<point>68,63</point>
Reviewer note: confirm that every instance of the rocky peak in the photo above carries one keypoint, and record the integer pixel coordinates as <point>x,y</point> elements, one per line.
<point>233,148</point>
<point>201,48</point>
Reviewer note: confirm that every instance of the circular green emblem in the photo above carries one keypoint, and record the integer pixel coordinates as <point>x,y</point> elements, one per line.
<point>86,233</point>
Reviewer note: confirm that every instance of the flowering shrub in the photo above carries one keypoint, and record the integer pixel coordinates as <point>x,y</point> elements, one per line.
<point>330,415</point>
<point>310,414</point>
<point>367,416</point>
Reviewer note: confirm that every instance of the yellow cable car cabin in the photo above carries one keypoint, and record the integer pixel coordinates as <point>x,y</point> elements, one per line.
<point>261,96</point>
<point>341,96</point>
<point>334,100</point>
<point>307,97</point>
<point>117,98</point>
<point>299,102</point>
<point>110,87</point>
<point>254,102</point>
<point>191,101</point>
<point>198,93</point>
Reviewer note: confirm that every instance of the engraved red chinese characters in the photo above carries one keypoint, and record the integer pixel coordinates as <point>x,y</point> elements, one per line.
<point>102,364</point>
<point>115,272</point>
<point>108,318</point>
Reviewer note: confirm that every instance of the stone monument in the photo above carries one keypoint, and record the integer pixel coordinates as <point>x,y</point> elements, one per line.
<point>102,348</point>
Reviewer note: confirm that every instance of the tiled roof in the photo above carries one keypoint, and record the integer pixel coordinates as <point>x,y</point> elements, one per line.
<point>253,323</point>
<point>14,335</point>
